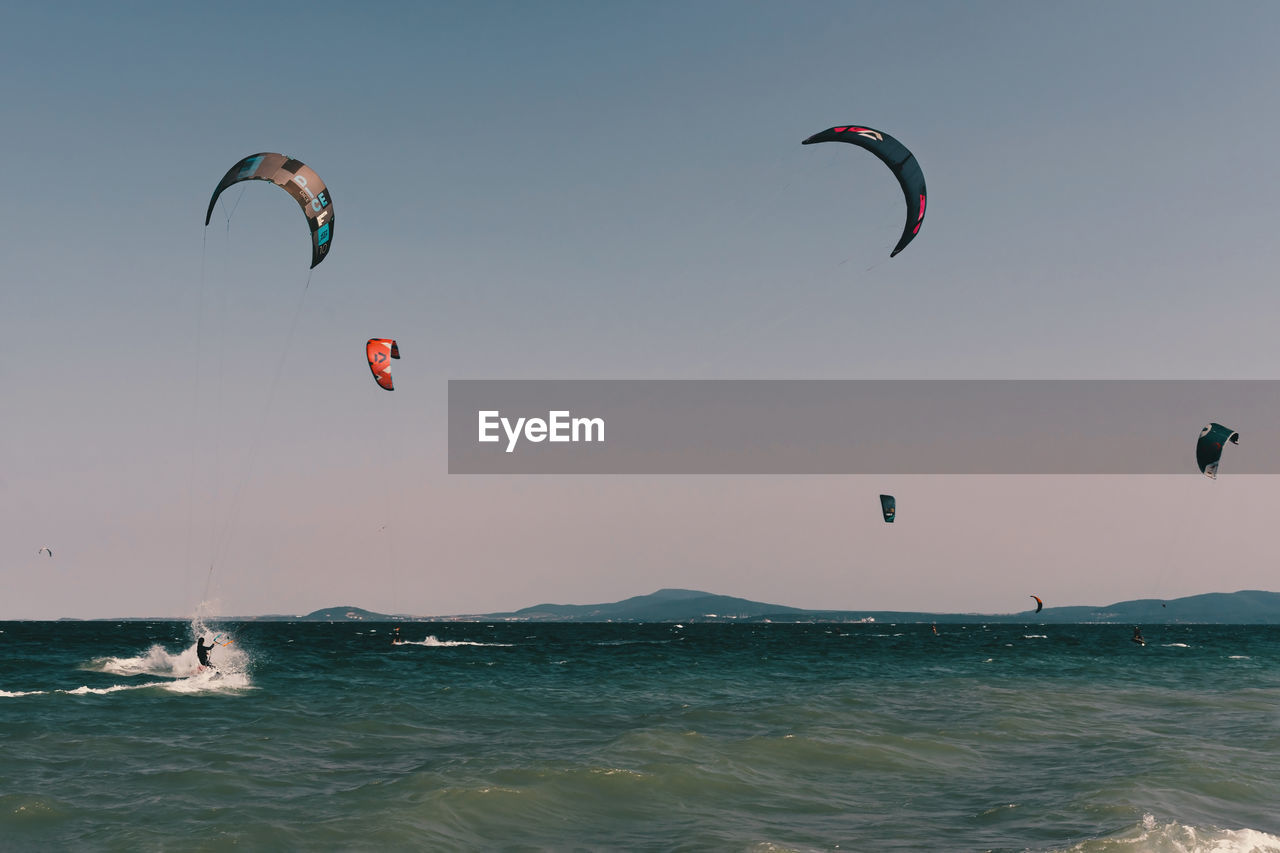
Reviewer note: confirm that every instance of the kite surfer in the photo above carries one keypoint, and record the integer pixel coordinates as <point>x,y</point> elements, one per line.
<point>202,652</point>
<point>1138,638</point>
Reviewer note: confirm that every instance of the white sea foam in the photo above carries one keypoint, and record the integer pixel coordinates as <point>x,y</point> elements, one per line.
<point>157,660</point>
<point>630,642</point>
<point>1154,836</point>
<point>102,691</point>
<point>210,681</point>
<point>433,642</point>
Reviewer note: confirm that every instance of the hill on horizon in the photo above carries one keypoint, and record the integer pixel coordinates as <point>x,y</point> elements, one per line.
<point>1245,607</point>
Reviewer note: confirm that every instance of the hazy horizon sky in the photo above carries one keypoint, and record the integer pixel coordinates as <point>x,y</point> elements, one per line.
<point>565,190</point>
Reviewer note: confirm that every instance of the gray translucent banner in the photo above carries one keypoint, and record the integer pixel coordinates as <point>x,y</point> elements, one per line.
<point>857,426</point>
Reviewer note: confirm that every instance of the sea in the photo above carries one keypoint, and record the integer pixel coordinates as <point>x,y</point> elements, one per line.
<point>681,737</point>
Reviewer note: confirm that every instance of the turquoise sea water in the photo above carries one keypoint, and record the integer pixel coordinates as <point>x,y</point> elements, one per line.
<point>640,737</point>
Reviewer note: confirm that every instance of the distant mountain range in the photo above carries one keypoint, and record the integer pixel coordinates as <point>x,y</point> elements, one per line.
<point>1247,607</point>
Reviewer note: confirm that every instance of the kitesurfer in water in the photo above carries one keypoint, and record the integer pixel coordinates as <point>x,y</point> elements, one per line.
<point>202,652</point>
<point>1137,637</point>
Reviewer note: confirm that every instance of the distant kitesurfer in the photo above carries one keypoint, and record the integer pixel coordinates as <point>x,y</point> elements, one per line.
<point>935,629</point>
<point>202,651</point>
<point>1137,637</point>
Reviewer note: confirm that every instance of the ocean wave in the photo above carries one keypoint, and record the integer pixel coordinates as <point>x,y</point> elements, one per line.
<point>631,642</point>
<point>1153,836</point>
<point>433,642</point>
<point>156,660</point>
<point>205,682</point>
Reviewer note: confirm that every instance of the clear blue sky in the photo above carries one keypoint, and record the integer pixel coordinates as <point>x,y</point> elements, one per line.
<point>610,190</point>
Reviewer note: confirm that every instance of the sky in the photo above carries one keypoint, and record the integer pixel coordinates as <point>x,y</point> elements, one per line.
<point>585,190</point>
